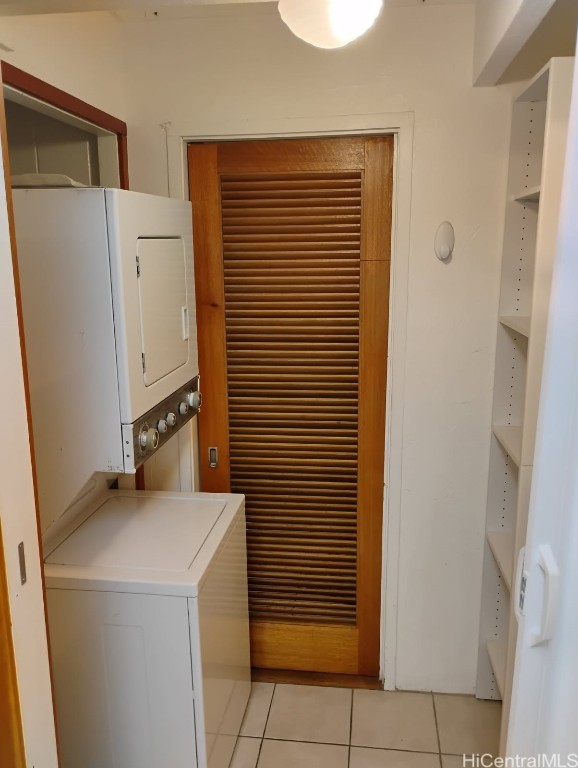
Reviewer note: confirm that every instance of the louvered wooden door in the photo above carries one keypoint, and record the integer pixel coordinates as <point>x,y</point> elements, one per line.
<point>292,260</point>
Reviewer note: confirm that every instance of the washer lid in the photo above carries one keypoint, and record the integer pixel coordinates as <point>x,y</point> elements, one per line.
<point>141,533</point>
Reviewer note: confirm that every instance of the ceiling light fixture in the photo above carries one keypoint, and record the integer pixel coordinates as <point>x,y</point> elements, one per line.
<point>329,23</point>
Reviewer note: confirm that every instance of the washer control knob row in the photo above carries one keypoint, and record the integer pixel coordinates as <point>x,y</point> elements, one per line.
<point>171,419</point>
<point>194,400</point>
<point>183,408</point>
<point>162,426</point>
<point>148,438</point>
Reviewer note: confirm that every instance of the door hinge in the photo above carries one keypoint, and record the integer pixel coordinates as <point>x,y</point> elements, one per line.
<point>137,266</point>
<point>144,365</point>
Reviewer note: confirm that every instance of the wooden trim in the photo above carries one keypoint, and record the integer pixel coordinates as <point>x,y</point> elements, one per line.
<point>269,156</point>
<point>210,295</point>
<point>33,86</point>
<point>377,218</point>
<point>18,296</point>
<point>11,736</point>
<point>374,326</point>
<point>293,677</point>
<point>123,160</point>
<point>373,383</point>
<point>330,648</point>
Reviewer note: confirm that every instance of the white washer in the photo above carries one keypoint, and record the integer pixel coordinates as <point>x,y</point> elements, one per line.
<point>147,608</point>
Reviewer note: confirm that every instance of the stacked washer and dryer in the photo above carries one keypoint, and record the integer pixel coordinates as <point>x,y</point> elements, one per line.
<point>146,591</point>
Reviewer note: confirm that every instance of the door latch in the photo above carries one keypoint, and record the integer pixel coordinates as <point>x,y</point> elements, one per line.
<point>22,563</point>
<point>213,458</point>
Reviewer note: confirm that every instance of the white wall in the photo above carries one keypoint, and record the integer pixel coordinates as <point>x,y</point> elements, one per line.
<point>243,66</point>
<point>240,66</point>
<point>502,29</point>
<point>18,519</point>
<point>80,53</point>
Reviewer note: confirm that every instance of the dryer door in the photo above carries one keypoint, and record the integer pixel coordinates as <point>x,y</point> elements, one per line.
<point>164,310</point>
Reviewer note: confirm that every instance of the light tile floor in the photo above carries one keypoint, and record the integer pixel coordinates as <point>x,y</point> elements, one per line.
<point>303,726</point>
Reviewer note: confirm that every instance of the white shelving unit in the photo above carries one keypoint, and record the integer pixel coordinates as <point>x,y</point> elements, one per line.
<point>498,653</point>
<point>537,154</point>
<point>530,195</point>
<point>518,323</point>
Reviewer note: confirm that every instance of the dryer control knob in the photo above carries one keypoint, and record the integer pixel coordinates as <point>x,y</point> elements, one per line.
<point>171,419</point>
<point>183,408</point>
<point>162,426</point>
<point>149,438</point>
<point>194,399</point>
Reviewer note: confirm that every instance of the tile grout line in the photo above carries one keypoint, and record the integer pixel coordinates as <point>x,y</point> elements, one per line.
<point>342,744</point>
<point>265,726</point>
<point>433,699</point>
<point>350,731</point>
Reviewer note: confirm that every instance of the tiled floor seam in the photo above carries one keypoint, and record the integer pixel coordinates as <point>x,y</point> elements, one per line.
<point>265,726</point>
<point>361,746</point>
<point>433,700</point>
<point>350,730</point>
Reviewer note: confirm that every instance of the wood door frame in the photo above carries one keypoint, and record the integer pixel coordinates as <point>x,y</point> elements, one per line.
<point>66,102</point>
<point>401,126</point>
<point>11,734</point>
<point>33,86</point>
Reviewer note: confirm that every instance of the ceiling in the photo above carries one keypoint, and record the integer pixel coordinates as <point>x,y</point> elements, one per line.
<point>22,7</point>
<point>25,7</point>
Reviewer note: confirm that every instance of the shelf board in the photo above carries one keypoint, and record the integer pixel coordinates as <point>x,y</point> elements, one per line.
<point>498,653</point>
<point>502,546</point>
<point>518,323</point>
<point>537,88</point>
<point>531,195</point>
<point>510,438</point>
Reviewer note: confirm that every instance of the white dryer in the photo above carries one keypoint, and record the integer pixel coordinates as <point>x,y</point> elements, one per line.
<point>148,617</point>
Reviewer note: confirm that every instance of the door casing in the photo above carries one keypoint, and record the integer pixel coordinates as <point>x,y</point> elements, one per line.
<point>401,125</point>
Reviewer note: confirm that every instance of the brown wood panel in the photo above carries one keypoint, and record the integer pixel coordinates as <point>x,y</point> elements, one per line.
<point>313,647</point>
<point>294,677</point>
<point>292,451</point>
<point>303,254</point>
<point>372,407</point>
<point>377,195</point>
<point>271,156</point>
<point>11,738</point>
<point>374,328</point>
<point>213,421</point>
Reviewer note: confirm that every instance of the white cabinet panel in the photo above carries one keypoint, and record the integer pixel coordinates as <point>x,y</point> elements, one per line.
<point>164,310</point>
<point>223,642</point>
<point>123,679</point>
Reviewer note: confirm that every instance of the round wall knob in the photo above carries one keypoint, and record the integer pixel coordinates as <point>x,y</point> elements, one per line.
<point>149,438</point>
<point>445,241</point>
<point>171,419</point>
<point>194,399</point>
<point>162,426</point>
<point>183,408</point>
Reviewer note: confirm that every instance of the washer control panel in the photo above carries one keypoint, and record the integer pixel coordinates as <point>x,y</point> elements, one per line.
<point>153,429</point>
